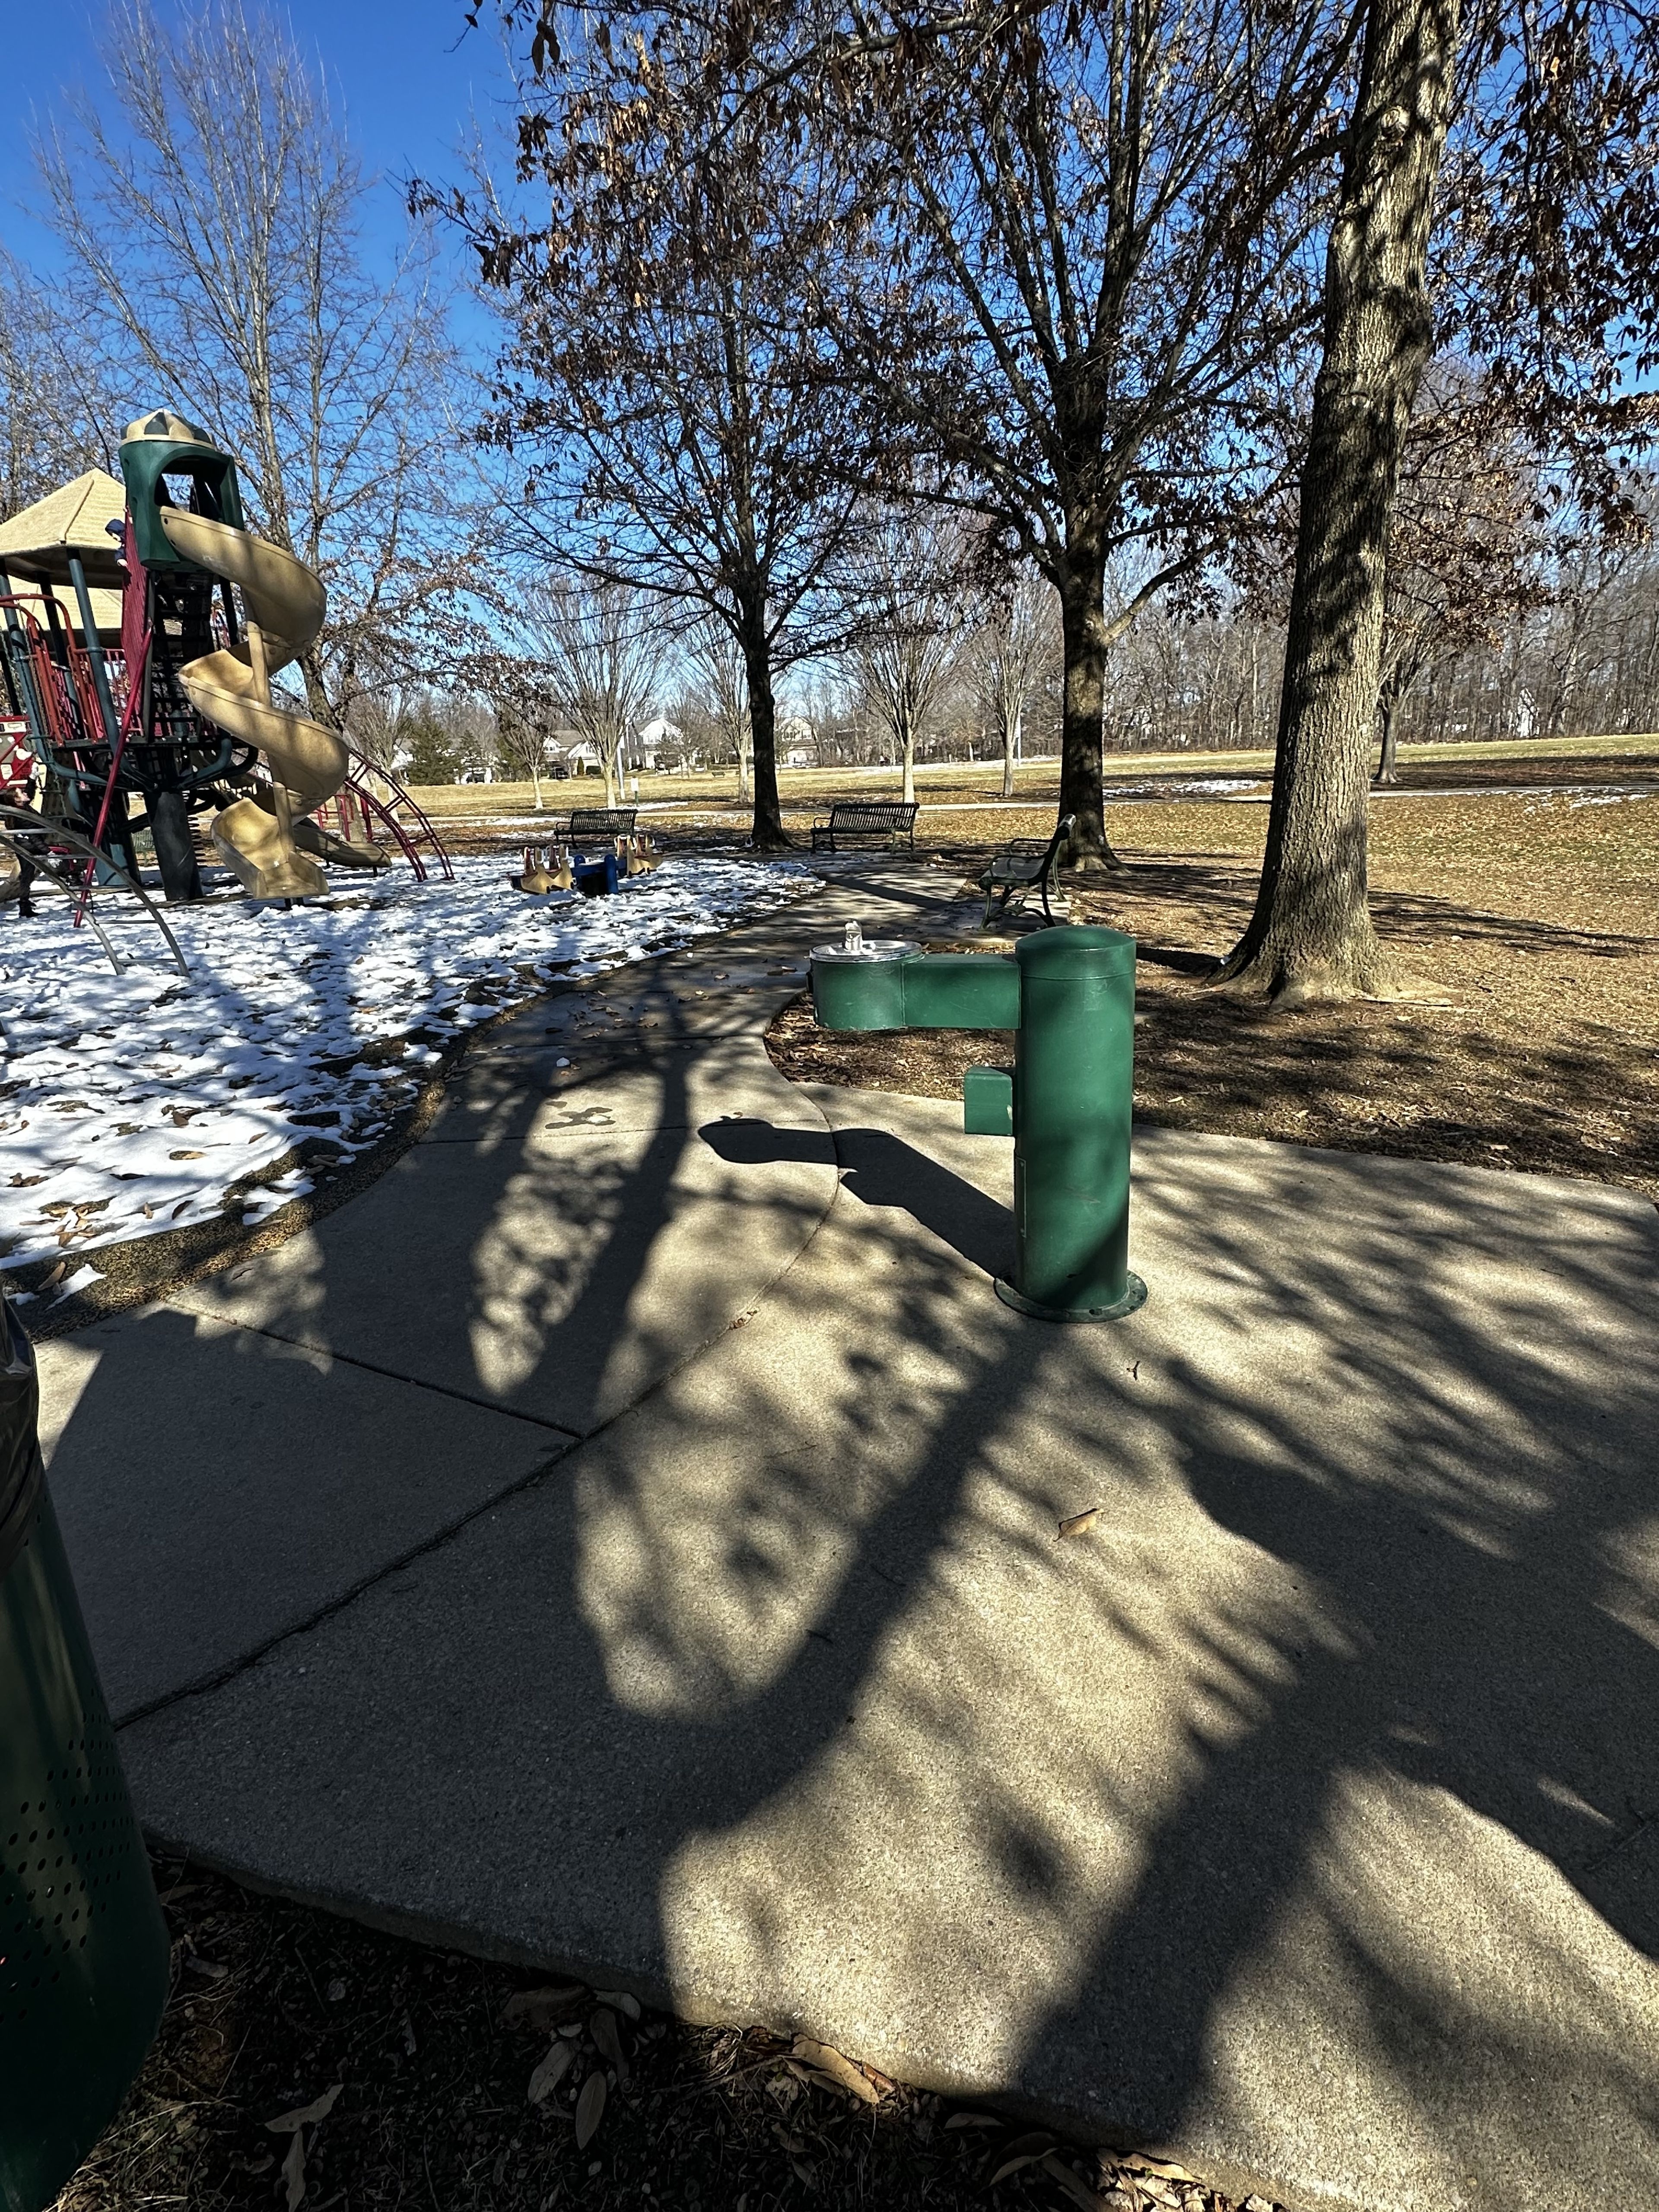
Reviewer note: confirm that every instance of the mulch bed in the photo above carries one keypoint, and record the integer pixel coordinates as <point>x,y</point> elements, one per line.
<point>436,2056</point>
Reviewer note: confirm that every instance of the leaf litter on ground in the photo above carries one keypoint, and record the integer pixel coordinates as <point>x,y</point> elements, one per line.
<point>435,2052</point>
<point>839,2073</point>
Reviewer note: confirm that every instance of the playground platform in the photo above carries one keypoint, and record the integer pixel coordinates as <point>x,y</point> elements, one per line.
<point>624,1539</point>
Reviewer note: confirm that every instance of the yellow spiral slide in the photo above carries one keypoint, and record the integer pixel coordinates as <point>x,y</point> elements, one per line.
<point>268,840</point>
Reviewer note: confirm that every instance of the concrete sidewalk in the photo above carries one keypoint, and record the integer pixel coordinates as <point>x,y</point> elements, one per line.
<point>624,1539</point>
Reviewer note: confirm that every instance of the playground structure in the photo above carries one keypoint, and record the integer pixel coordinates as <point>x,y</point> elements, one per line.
<point>169,704</point>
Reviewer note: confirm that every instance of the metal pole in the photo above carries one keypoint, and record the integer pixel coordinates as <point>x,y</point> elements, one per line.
<point>120,830</point>
<point>1073,1088</point>
<point>94,651</point>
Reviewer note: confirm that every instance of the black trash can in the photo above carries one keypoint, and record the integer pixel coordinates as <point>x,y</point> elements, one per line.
<point>84,1948</point>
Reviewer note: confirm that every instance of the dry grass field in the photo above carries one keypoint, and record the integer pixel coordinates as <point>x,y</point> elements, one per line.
<point>710,800</point>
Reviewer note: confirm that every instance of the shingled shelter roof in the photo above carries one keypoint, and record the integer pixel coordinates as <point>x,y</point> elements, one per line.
<point>36,544</point>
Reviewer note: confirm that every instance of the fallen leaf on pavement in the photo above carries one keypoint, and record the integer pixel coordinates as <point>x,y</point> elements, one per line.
<point>307,2115</point>
<point>822,2080</point>
<point>1080,1523</point>
<point>972,2120</point>
<point>840,2071</point>
<point>1164,2168</point>
<point>551,2071</point>
<point>619,2000</point>
<point>543,2009</point>
<point>590,2107</point>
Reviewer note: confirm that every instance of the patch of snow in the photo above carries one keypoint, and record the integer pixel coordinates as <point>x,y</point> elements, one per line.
<point>1179,787</point>
<point>132,1103</point>
<point>1604,797</point>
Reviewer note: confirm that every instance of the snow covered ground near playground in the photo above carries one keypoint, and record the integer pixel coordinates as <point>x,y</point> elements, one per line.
<point>132,1103</point>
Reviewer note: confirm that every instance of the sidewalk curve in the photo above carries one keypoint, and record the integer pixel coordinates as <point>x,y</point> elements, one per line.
<point>624,1540</point>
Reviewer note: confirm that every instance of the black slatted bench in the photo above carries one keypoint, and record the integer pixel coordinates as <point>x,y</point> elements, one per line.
<point>866,822</point>
<point>601,821</point>
<point>1022,868</point>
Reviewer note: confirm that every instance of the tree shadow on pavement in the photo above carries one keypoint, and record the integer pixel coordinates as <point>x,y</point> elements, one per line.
<point>1296,1815</point>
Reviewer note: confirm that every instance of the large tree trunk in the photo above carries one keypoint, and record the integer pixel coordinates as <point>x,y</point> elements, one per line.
<point>1010,746</point>
<point>1083,632</point>
<point>1311,933</point>
<point>767,835</point>
<point>905,739</point>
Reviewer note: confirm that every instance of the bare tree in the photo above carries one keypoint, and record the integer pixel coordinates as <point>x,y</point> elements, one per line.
<point>604,656</point>
<point>524,704</point>
<point>1008,657</point>
<point>1469,546</point>
<point>1088,292</point>
<point>57,416</point>
<point>210,208</point>
<point>1318,940</point>
<point>523,726</point>
<point>670,380</point>
<point>907,577</point>
<point>723,697</point>
<point>1472,538</point>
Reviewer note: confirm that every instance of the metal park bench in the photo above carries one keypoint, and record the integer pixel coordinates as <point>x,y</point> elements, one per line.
<point>865,821</point>
<point>596,822</point>
<point>1022,868</point>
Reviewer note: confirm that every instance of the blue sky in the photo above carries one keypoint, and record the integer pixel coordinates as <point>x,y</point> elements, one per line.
<point>407,72</point>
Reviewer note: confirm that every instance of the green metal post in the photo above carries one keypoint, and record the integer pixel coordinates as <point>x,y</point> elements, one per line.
<point>84,1948</point>
<point>94,652</point>
<point>1073,1087</point>
<point>117,828</point>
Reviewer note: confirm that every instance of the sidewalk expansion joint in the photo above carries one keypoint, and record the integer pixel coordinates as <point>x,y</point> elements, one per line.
<point>388,1374</point>
<point>572,1442</point>
<point>219,1677</point>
